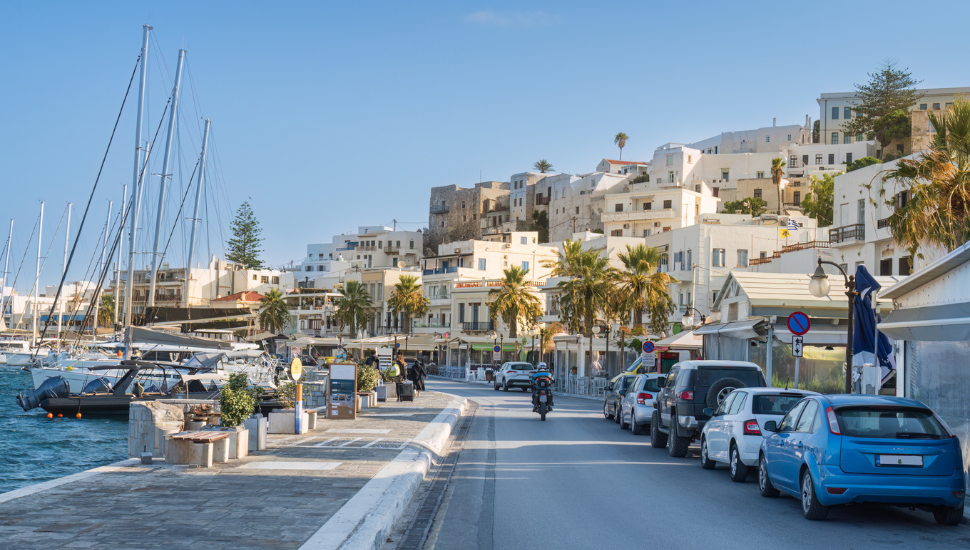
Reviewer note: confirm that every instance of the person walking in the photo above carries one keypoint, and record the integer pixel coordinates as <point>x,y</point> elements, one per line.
<point>399,372</point>
<point>417,376</point>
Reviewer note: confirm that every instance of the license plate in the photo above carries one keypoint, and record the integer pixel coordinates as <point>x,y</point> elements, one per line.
<point>543,398</point>
<point>899,460</point>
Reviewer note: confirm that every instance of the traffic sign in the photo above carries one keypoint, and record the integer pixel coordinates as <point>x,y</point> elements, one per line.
<point>497,348</point>
<point>648,347</point>
<point>296,369</point>
<point>796,346</point>
<point>799,323</point>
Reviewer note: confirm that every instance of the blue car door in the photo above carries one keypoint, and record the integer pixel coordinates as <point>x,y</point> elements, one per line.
<point>801,439</point>
<point>782,468</point>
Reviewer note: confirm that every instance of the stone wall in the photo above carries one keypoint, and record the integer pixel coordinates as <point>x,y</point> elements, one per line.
<point>148,422</point>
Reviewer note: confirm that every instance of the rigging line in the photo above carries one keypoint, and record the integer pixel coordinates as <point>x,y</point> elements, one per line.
<point>91,196</point>
<point>44,263</point>
<point>94,297</point>
<point>22,260</point>
<point>184,196</point>
<point>88,271</point>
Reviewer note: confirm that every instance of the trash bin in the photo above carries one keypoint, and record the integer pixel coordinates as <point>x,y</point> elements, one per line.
<point>489,375</point>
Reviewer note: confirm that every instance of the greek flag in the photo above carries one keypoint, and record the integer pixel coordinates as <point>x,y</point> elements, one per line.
<point>792,225</point>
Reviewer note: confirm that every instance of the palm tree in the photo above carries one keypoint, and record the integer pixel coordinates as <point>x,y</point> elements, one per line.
<point>409,299</point>
<point>777,171</point>
<point>660,303</point>
<point>542,166</point>
<point>513,301</point>
<point>585,294</point>
<point>567,264</point>
<point>937,213</point>
<point>353,307</point>
<point>274,315</point>
<point>620,141</point>
<point>106,310</point>
<point>639,264</point>
<point>546,343</point>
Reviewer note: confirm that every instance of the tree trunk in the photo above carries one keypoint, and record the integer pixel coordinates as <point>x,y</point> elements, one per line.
<point>513,332</point>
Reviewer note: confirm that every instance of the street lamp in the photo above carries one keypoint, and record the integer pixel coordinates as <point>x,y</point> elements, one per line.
<point>819,287</point>
<point>688,319</point>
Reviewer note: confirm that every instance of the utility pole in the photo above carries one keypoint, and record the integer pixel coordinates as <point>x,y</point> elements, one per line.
<point>165,161</point>
<point>195,212</point>
<point>60,302</point>
<point>6,272</point>
<point>136,189</point>
<point>33,316</point>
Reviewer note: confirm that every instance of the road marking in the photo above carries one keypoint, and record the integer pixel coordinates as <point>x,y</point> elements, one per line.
<point>284,465</point>
<point>358,431</point>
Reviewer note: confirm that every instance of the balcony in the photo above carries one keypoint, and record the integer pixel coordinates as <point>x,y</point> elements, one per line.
<point>478,326</point>
<point>640,215</point>
<point>432,324</point>
<point>849,233</point>
<point>392,250</point>
<point>440,270</point>
<point>439,209</point>
<point>542,201</point>
<point>760,261</point>
<point>804,246</point>
<point>882,224</point>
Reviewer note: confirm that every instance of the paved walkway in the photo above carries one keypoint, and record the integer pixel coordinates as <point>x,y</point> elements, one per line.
<point>277,498</point>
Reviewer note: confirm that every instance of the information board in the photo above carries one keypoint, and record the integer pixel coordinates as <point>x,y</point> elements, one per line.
<point>343,391</point>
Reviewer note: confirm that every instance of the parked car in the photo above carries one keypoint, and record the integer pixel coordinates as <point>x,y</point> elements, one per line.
<point>840,449</point>
<point>733,434</point>
<point>613,393</point>
<point>636,407</point>
<point>514,375</point>
<point>691,387</point>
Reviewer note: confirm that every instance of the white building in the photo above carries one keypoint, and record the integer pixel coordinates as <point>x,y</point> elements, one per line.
<point>371,246</point>
<point>770,139</point>
<point>648,208</point>
<point>624,167</point>
<point>578,202</point>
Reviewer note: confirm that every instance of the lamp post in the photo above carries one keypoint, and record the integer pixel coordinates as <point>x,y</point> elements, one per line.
<point>494,336</point>
<point>819,287</point>
<point>688,319</point>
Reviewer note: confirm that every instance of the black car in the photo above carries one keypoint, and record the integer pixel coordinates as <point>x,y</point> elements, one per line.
<point>691,387</point>
<point>614,393</point>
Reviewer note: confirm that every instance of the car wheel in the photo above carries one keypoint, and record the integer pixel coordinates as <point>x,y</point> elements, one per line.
<point>739,470</point>
<point>764,483</point>
<point>706,461</point>
<point>616,414</point>
<point>623,425</point>
<point>811,507</point>
<point>658,439</point>
<point>606,411</point>
<point>637,429</point>
<point>678,445</point>
<point>948,515</point>
<point>495,386</point>
<point>505,386</point>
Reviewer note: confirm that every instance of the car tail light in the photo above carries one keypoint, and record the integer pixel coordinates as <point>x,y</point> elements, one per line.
<point>835,490</point>
<point>687,395</point>
<point>751,428</point>
<point>958,494</point>
<point>643,396</point>
<point>833,421</point>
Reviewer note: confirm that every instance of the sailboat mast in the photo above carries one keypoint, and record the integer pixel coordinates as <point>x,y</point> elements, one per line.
<point>136,187</point>
<point>195,212</point>
<point>102,267</point>
<point>67,244</point>
<point>34,310</point>
<point>165,161</point>
<point>121,216</point>
<point>6,272</point>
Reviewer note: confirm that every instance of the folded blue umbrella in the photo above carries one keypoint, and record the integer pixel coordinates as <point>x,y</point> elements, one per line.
<point>866,320</point>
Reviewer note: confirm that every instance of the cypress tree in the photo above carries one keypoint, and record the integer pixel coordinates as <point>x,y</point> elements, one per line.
<point>244,244</point>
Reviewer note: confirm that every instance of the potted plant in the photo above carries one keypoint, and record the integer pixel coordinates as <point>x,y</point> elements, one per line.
<point>367,378</point>
<point>282,421</point>
<point>237,402</point>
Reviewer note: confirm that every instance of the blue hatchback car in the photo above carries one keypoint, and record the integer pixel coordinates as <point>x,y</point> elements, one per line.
<point>840,449</point>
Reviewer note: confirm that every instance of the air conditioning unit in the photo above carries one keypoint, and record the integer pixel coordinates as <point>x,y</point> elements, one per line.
<point>626,226</point>
<point>656,224</point>
<point>457,251</point>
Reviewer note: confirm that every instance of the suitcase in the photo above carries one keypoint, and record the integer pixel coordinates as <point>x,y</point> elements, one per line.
<point>405,391</point>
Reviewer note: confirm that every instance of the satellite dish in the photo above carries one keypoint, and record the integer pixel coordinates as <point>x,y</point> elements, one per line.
<point>401,265</point>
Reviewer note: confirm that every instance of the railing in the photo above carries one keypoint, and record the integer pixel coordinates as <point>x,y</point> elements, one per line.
<point>441,296</point>
<point>494,282</point>
<point>805,246</point>
<point>542,201</point>
<point>431,325</point>
<point>392,249</point>
<point>478,326</point>
<point>760,261</point>
<point>882,224</point>
<point>791,205</point>
<point>850,232</point>
<point>366,248</point>
<point>439,209</point>
<point>634,215</point>
<point>440,270</point>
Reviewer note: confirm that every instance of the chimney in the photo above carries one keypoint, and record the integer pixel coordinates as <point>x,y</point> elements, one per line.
<point>774,122</point>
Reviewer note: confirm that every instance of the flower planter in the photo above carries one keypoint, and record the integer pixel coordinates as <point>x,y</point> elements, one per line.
<point>282,421</point>
<point>367,399</point>
<point>238,440</point>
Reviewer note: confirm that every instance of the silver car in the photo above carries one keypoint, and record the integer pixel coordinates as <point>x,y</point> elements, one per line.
<point>636,407</point>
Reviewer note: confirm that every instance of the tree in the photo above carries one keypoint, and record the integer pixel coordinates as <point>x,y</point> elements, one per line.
<point>353,307</point>
<point>514,302</point>
<point>620,141</point>
<point>818,202</point>
<point>540,223</point>
<point>888,90</point>
<point>274,315</point>
<point>777,171</point>
<point>409,299</point>
<point>748,205</point>
<point>660,303</point>
<point>245,242</point>
<point>937,184</point>
<point>546,343</point>
<point>895,125</point>
<point>816,131</point>
<point>542,166</point>
<point>862,163</point>
<point>106,310</point>
<point>639,263</point>
<point>585,293</point>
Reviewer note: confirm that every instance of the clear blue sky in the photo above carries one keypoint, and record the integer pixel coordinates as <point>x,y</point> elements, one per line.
<point>333,115</point>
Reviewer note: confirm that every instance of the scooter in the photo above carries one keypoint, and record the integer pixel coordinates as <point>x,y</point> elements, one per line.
<point>542,397</point>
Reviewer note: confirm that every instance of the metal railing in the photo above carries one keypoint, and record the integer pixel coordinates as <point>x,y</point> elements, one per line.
<point>478,326</point>
<point>805,246</point>
<point>850,232</point>
<point>541,201</point>
<point>882,224</point>
<point>440,270</point>
<point>439,209</point>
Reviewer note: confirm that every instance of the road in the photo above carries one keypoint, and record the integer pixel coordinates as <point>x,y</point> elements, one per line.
<point>579,481</point>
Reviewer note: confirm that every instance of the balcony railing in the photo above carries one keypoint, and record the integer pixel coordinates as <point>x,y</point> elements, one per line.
<point>760,261</point>
<point>542,201</point>
<point>439,296</point>
<point>433,324</point>
<point>855,232</point>
<point>882,224</point>
<point>440,270</point>
<point>804,246</point>
<point>439,209</point>
<point>478,326</point>
<point>636,215</point>
<point>392,249</point>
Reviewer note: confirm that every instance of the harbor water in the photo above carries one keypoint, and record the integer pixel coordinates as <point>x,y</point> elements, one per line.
<point>34,448</point>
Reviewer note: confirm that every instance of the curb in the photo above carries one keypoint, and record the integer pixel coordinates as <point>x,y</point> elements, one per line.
<point>367,518</point>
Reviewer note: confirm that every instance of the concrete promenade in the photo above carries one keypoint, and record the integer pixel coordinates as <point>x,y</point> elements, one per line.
<point>313,491</point>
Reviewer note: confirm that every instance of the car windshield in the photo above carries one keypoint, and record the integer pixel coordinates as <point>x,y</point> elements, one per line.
<point>890,423</point>
<point>773,403</point>
<point>707,376</point>
<point>652,384</point>
<point>624,383</point>
<point>521,366</point>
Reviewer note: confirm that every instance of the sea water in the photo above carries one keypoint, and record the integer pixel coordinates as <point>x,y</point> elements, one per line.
<point>34,448</point>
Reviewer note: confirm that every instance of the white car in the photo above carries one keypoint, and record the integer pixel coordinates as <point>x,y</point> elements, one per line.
<point>514,375</point>
<point>733,435</point>
<point>636,407</point>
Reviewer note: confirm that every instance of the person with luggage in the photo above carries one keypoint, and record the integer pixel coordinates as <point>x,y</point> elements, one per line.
<point>417,375</point>
<point>400,373</point>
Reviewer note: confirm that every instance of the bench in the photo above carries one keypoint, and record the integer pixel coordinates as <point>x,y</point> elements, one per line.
<point>312,416</point>
<point>197,447</point>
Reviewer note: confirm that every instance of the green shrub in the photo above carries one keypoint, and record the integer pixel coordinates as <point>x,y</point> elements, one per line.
<point>236,406</point>
<point>287,395</point>
<point>367,378</point>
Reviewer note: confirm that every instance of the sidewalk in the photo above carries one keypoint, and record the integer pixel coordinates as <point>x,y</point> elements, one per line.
<point>339,486</point>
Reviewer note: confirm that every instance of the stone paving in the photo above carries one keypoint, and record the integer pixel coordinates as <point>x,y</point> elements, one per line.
<point>264,501</point>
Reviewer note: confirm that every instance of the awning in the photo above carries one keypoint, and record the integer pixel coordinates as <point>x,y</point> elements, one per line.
<point>488,347</point>
<point>943,323</point>
<point>682,340</point>
<point>751,328</point>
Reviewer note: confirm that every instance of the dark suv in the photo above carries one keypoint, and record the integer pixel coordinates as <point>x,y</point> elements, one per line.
<point>691,387</point>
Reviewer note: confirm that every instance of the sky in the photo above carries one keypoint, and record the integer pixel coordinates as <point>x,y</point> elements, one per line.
<point>327,116</point>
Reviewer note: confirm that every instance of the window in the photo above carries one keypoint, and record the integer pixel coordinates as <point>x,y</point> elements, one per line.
<point>713,296</point>
<point>679,259</point>
<point>797,198</point>
<point>848,158</point>
<point>757,193</point>
<point>930,128</point>
<point>646,232</point>
<point>481,264</point>
<point>922,106</point>
<point>690,264</point>
<point>905,266</point>
<point>818,158</point>
<point>835,138</point>
<point>461,313</point>
<point>936,106</point>
<point>899,148</point>
<point>276,280</point>
<point>670,177</point>
<point>725,175</point>
<point>668,204</point>
<point>725,407</point>
<point>845,267</point>
<point>742,258</point>
<point>618,207</point>
<point>808,417</point>
<point>697,188</point>
<point>859,138</point>
<point>805,160</point>
<point>846,113</point>
<point>577,210</point>
<point>793,161</point>
<point>309,268</point>
<point>616,233</point>
<point>717,259</point>
<point>690,159</point>
<point>525,266</point>
<point>557,193</point>
<point>788,423</point>
<point>861,206</point>
<point>762,254</point>
<point>759,175</point>
<point>397,244</point>
<point>835,113</point>
<point>738,403</point>
<point>831,158</point>
<point>767,139</point>
<point>463,204</point>
<point>670,160</point>
<point>846,139</point>
<point>523,240</point>
<point>886,267</point>
<point>264,279</point>
<point>890,423</point>
<point>948,105</point>
<point>647,205</point>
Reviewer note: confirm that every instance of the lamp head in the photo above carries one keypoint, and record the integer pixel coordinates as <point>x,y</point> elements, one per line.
<point>819,285</point>
<point>688,320</point>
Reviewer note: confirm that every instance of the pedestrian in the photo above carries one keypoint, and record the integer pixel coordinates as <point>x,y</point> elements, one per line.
<point>399,367</point>
<point>372,360</point>
<point>417,376</point>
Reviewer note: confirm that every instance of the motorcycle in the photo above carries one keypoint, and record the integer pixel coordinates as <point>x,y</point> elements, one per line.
<point>542,397</point>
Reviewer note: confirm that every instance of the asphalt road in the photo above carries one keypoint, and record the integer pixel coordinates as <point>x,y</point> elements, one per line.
<point>579,481</point>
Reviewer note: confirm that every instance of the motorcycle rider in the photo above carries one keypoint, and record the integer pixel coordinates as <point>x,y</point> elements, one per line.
<point>542,377</point>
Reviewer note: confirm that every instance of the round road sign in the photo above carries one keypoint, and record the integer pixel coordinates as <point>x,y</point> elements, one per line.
<point>497,348</point>
<point>799,323</point>
<point>648,347</point>
<point>296,369</point>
